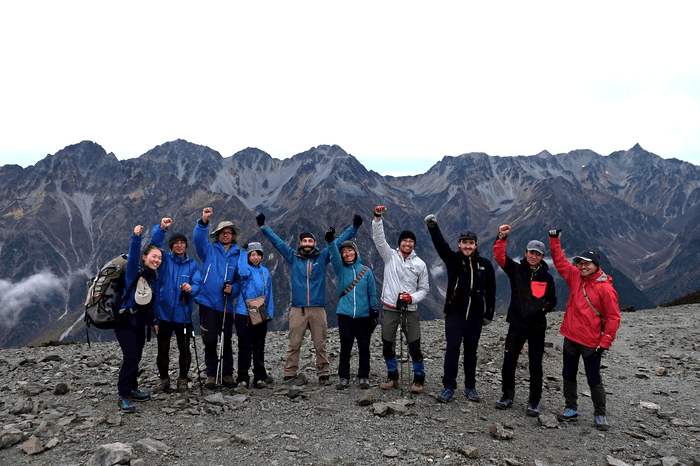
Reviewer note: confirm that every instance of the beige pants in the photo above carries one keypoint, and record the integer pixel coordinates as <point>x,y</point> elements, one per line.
<point>299,319</point>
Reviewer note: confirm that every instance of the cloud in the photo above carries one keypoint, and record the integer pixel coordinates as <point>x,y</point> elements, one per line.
<point>17,297</point>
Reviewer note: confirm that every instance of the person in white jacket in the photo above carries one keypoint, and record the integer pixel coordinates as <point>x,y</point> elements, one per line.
<point>405,284</point>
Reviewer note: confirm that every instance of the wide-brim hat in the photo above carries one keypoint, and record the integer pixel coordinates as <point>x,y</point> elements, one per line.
<point>236,231</point>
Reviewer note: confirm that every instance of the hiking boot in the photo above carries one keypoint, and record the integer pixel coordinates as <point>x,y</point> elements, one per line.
<point>567,415</point>
<point>183,385</point>
<point>259,384</point>
<point>504,403</point>
<point>288,378</point>
<point>364,383</point>
<point>137,395</point>
<point>210,383</point>
<point>241,384</point>
<point>125,405</point>
<point>389,384</point>
<point>228,382</point>
<point>162,385</point>
<point>533,409</point>
<point>416,387</point>
<point>601,422</point>
<point>343,384</point>
<point>472,394</point>
<point>324,380</point>
<point>446,395</point>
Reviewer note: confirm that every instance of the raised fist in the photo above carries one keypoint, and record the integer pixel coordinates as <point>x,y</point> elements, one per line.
<point>554,233</point>
<point>165,223</point>
<point>379,210</point>
<point>431,221</point>
<point>206,213</point>
<point>138,229</point>
<point>356,221</point>
<point>260,218</point>
<point>503,231</point>
<point>330,235</point>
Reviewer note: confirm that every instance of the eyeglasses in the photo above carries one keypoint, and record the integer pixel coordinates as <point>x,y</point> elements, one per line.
<point>580,264</point>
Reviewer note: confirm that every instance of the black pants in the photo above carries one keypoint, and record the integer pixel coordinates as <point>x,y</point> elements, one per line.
<point>165,332</point>
<point>131,335</point>
<point>591,362</point>
<point>211,320</point>
<point>460,331</point>
<point>350,330</point>
<point>251,344</point>
<point>517,336</point>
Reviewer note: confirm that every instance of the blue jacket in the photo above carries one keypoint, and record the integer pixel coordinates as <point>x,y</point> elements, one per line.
<point>255,281</point>
<point>217,267</point>
<point>133,272</point>
<point>308,273</point>
<point>363,296</point>
<point>173,272</point>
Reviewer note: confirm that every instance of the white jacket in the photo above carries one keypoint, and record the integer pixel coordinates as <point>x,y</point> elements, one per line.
<point>400,274</point>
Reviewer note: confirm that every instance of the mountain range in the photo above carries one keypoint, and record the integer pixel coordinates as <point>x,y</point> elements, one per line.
<point>65,216</point>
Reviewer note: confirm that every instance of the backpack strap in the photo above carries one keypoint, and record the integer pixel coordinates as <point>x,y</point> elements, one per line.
<point>352,285</point>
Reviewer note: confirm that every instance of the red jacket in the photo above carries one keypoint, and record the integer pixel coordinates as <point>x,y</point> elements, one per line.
<point>581,323</point>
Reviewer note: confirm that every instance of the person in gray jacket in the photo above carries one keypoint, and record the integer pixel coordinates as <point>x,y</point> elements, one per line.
<point>405,284</point>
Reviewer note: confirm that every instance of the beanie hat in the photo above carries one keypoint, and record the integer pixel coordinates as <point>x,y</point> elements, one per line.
<point>255,247</point>
<point>407,234</point>
<point>307,235</point>
<point>535,245</point>
<point>588,256</point>
<point>468,235</point>
<point>175,238</point>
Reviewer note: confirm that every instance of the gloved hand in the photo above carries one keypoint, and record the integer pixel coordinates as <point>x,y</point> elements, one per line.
<point>260,218</point>
<point>379,210</point>
<point>356,221</point>
<point>406,297</point>
<point>330,235</point>
<point>431,221</point>
<point>374,313</point>
<point>600,350</point>
<point>486,321</point>
<point>244,246</point>
<point>554,233</point>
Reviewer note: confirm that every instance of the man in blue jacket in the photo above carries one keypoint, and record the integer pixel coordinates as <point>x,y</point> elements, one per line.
<point>308,277</point>
<point>220,286</point>
<point>179,281</point>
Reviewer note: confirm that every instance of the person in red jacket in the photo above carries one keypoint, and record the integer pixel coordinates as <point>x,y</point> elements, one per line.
<point>590,323</point>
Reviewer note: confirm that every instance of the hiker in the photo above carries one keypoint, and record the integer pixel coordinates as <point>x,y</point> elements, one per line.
<point>470,300</point>
<point>590,323</point>
<point>532,296</point>
<point>140,294</point>
<point>256,282</point>
<point>220,286</point>
<point>308,279</point>
<point>179,280</point>
<point>405,285</point>
<point>357,308</point>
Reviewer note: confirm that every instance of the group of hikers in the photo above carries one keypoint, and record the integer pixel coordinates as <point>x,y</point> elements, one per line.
<point>233,288</point>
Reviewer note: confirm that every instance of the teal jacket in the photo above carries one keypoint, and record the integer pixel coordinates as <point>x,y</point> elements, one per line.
<point>358,301</point>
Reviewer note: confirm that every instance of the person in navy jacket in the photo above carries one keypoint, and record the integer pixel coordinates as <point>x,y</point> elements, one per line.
<point>179,280</point>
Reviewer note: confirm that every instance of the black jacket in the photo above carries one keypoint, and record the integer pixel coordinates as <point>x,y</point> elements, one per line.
<point>471,282</point>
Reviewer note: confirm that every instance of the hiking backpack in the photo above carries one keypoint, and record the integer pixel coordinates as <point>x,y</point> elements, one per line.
<point>104,298</point>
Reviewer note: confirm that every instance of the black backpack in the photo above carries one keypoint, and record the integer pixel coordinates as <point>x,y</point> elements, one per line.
<point>104,297</point>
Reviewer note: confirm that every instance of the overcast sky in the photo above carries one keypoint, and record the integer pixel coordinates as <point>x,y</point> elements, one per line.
<point>398,84</point>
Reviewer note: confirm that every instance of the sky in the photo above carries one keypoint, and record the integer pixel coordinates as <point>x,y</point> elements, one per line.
<point>397,84</point>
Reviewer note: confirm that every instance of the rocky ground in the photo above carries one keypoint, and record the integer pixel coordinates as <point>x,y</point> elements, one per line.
<point>652,377</point>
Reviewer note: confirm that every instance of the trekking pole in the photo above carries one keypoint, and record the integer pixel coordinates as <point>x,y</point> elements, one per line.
<point>401,305</point>
<point>185,298</point>
<point>222,337</point>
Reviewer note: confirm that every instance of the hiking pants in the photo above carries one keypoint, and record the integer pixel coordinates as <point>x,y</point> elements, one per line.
<point>410,327</point>
<point>131,336</point>
<point>315,319</point>
<point>251,344</point>
<point>516,338</point>
<point>210,321</point>
<point>461,332</point>
<point>591,363</point>
<point>350,330</point>
<point>182,336</point>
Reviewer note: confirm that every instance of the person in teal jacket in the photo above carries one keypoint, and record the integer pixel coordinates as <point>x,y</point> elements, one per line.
<point>179,280</point>
<point>308,278</point>
<point>255,282</point>
<point>357,308</point>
